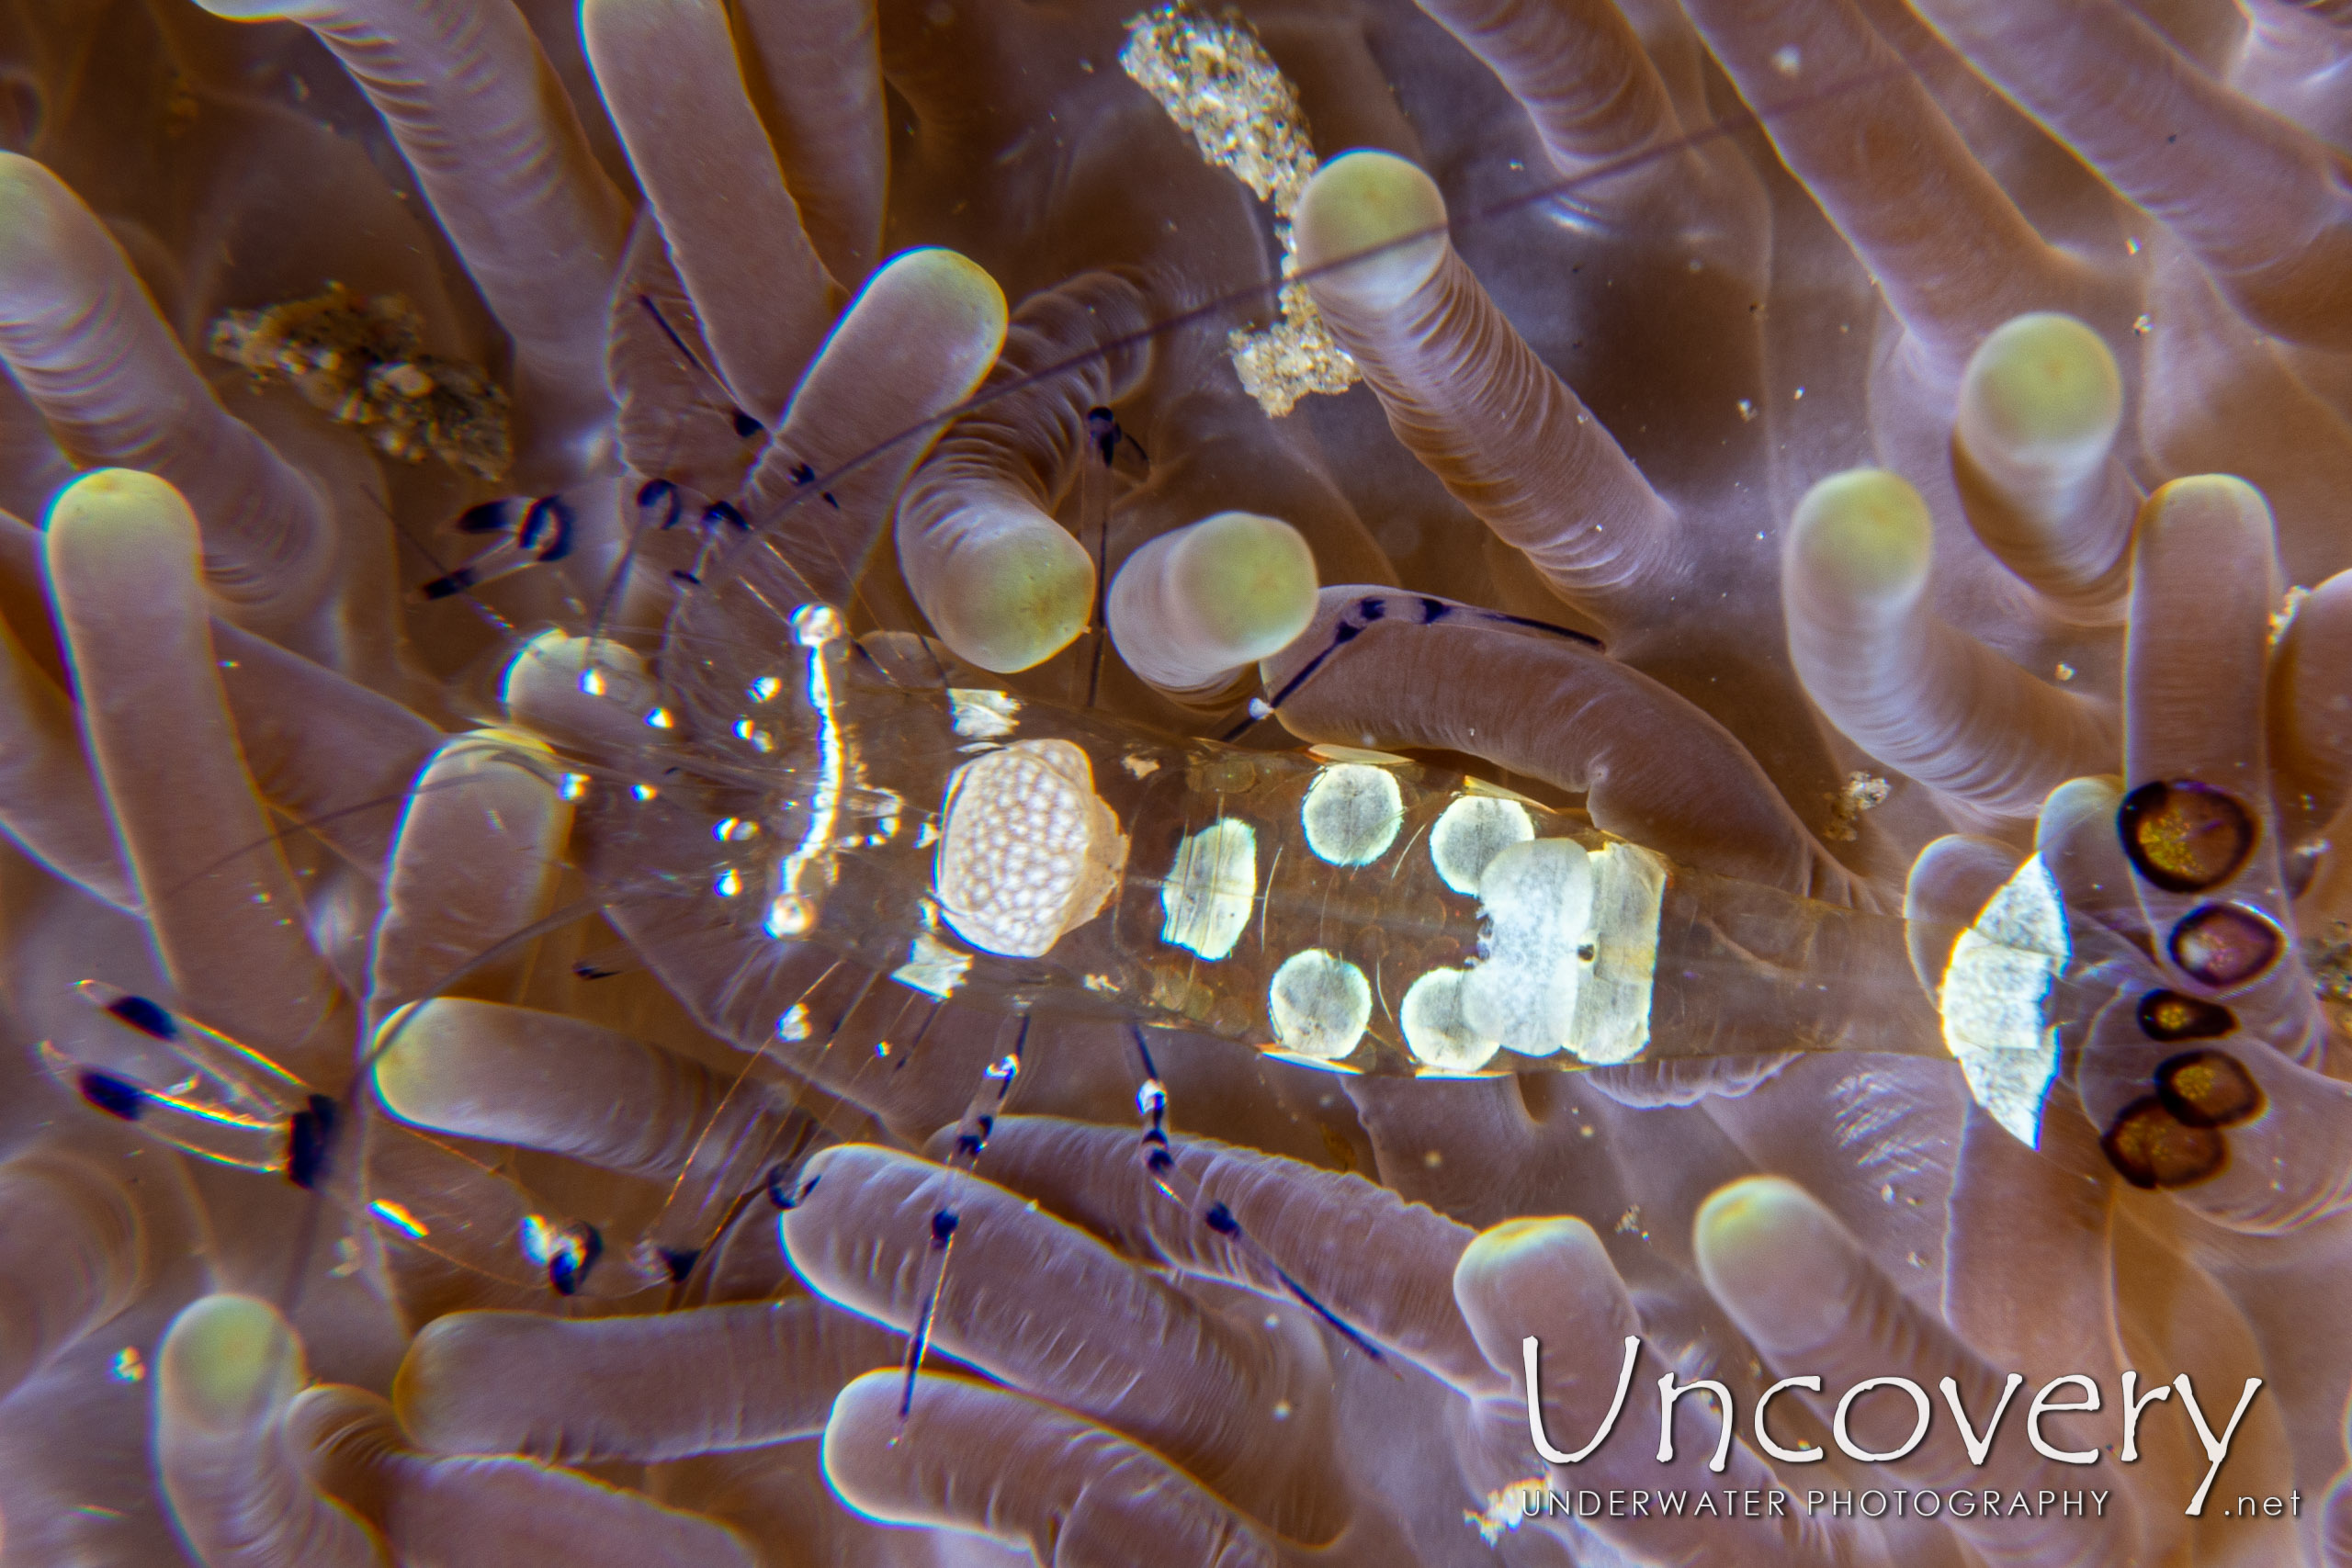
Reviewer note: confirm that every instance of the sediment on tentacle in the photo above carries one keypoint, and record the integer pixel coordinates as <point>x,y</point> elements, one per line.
<point>478,113</point>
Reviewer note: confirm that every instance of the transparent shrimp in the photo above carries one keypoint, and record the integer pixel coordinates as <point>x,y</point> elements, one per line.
<point>824,846</point>
<point>815,839</point>
<point>1342,908</point>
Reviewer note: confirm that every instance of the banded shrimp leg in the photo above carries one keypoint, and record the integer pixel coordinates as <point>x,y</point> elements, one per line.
<point>473,862</point>
<point>461,1205</point>
<point>208,1094</point>
<point>419,1193</point>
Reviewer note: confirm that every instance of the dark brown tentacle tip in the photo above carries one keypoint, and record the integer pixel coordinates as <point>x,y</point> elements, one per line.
<point>2225,945</point>
<point>2185,836</point>
<point>2149,1148</point>
<point>2167,1015</point>
<point>2207,1089</point>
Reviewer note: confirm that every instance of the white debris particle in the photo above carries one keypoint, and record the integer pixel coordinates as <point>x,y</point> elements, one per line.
<point>1218,83</point>
<point>1861,792</point>
<point>2284,616</point>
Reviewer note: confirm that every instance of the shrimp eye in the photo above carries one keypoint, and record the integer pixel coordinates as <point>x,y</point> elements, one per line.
<point>2207,1089</point>
<point>2151,1147</point>
<point>2185,836</point>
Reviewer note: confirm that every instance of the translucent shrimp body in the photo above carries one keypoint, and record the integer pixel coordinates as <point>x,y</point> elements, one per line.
<point>814,838</point>
<point>1349,909</point>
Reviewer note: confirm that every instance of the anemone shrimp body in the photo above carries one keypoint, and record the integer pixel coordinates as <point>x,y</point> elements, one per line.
<point>840,818</point>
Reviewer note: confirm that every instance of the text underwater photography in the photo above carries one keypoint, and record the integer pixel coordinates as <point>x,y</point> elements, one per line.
<point>945,783</point>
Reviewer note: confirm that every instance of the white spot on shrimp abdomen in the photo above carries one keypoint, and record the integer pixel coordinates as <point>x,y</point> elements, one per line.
<point>1472,832</point>
<point>1320,1005</point>
<point>1537,897</point>
<point>1437,1034</point>
<point>1352,813</point>
<point>1211,889</point>
<point>1569,963</point>
<point>1613,1019</point>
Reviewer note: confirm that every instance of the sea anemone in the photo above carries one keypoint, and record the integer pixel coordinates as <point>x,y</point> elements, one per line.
<point>1887,456</point>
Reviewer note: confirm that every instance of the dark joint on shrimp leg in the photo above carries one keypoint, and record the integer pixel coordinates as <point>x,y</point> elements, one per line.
<point>972,1139</point>
<point>1103,429</point>
<point>309,1138</point>
<point>787,1194</point>
<point>804,476</point>
<point>783,1184</point>
<point>1160,1163</point>
<point>663,494</point>
<point>567,1252</point>
<point>743,424</point>
<point>1409,609</point>
<point>529,533</point>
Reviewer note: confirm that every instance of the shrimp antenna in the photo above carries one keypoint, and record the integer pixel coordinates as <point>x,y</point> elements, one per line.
<point>745,425</point>
<point>1094,488</point>
<point>1221,305</point>
<point>1409,609</point>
